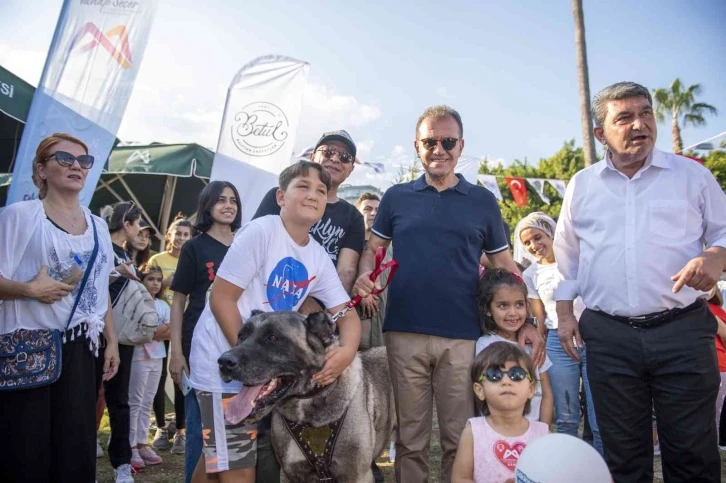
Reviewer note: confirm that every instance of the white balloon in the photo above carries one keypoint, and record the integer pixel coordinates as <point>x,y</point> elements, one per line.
<point>561,458</point>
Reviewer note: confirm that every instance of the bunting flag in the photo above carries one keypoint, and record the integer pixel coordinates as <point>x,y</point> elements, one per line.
<point>538,185</point>
<point>519,190</point>
<point>559,186</point>
<point>377,167</point>
<point>489,181</point>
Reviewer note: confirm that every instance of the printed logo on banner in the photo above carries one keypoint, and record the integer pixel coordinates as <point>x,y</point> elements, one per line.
<point>122,55</point>
<point>260,129</point>
<point>143,155</point>
<point>287,284</point>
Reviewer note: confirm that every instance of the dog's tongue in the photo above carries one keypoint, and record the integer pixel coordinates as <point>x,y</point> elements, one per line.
<point>241,405</point>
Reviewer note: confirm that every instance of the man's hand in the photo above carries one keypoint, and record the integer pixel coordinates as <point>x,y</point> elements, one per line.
<point>369,306</point>
<point>111,360</point>
<point>528,335</point>
<point>177,365</point>
<point>45,289</point>
<point>701,273</point>
<point>568,331</point>
<point>336,360</point>
<point>364,285</point>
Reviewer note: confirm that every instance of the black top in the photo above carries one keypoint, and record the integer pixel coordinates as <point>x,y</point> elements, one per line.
<point>117,285</point>
<point>199,261</point>
<point>341,226</point>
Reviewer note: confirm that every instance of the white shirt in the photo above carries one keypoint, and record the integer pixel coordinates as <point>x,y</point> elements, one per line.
<point>154,349</point>
<point>28,240</point>
<point>541,281</point>
<point>534,409</point>
<point>276,274</point>
<point>619,241</point>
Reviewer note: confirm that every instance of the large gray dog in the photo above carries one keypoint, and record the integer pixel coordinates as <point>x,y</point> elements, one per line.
<point>340,428</point>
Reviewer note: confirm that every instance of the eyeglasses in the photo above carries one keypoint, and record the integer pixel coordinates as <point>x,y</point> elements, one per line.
<point>85,161</point>
<point>447,143</point>
<point>344,156</point>
<point>495,374</point>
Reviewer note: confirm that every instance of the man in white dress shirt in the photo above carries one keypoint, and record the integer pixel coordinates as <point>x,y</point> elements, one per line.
<point>640,237</point>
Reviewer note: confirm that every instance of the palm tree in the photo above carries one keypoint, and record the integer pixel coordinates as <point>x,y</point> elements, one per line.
<point>679,104</point>
<point>583,78</point>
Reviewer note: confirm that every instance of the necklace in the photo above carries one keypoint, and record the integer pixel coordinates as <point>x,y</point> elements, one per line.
<point>73,220</point>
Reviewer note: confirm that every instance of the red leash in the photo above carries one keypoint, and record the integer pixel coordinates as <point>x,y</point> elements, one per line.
<point>379,268</point>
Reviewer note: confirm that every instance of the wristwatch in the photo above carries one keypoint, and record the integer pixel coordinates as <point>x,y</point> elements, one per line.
<point>531,320</point>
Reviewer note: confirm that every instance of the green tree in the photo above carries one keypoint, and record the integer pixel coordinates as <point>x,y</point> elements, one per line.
<point>716,162</point>
<point>562,165</point>
<point>681,106</point>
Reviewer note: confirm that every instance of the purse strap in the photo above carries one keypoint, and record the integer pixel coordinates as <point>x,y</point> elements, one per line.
<point>86,274</point>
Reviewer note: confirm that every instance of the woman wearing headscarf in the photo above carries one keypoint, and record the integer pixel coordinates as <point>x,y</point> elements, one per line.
<point>536,233</point>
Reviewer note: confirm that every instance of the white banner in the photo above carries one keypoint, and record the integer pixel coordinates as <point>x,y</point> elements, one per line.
<point>538,185</point>
<point>88,77</point>
<point>489,181</point>
<point>259,126</point>
<point>559,185</point>
<point>468,167</point>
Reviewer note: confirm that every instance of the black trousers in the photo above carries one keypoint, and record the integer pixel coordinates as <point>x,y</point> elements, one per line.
<point>673,368</point>
<point>117,402</point>
<point>49,433</point>
<point>160,398</point>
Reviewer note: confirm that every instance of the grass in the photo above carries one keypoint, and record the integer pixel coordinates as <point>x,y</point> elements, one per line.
<point>172,469</point>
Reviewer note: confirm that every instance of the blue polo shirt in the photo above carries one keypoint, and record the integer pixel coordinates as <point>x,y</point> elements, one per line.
<point>439,238</point>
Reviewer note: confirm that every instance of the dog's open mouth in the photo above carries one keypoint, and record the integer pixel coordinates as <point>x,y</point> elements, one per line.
<point>254,399</point>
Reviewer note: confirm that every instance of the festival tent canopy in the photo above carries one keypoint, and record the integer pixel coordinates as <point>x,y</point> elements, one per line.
<point>16,96</point>
<point>162,179</point>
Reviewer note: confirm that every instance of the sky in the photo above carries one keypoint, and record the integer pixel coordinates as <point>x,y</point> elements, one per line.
<point>507,67</point>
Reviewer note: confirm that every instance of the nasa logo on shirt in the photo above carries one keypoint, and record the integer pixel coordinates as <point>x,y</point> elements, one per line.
<point>287,284</point>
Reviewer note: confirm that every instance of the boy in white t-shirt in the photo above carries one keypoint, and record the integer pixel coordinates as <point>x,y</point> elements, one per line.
<point>272,265</point>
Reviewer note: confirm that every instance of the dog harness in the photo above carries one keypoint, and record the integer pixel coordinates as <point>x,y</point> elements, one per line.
<point>317,444</point>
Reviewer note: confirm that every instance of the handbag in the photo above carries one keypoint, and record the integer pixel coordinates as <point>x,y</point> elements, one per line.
<point>134,314</point>
<point>31,358</point>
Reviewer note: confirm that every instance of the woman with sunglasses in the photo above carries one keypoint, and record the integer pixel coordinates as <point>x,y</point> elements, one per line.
<point>124,224</point>
<point>51,429</point>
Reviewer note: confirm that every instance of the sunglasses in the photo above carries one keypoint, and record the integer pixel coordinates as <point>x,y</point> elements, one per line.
<point>447,143</point>
<point>85,161</point>
<point>131,207</point>
<point>495,374</point>
<point>344,156</point>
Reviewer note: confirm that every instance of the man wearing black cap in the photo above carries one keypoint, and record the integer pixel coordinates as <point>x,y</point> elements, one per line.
<point>341,231</point>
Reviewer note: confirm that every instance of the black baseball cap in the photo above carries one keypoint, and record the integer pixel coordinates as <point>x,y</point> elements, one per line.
<point>341,136</point>
<point>145,226</point>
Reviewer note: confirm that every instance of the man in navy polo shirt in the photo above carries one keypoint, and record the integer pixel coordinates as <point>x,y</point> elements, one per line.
<point>440,224</point>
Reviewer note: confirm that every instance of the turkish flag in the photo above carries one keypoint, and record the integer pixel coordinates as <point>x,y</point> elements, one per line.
<point>519,190</point>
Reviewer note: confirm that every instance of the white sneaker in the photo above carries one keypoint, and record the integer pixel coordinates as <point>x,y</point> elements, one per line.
<point>392,452</point>
<point>123,474</point>
<point>99,450</point>
<point>137,462</point>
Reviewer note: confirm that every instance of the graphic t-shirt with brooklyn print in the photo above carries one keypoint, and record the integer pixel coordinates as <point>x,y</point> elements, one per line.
<point>341,226</point>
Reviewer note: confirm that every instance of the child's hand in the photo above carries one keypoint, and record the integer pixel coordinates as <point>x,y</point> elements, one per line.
<point>336,360</point>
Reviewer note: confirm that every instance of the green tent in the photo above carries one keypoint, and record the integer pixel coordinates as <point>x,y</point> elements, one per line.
<point>15,98</point>
<point>163,179</point>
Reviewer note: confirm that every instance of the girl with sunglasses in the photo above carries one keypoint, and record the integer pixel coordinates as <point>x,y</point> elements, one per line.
<point>503,308</point>
<point>490,445</point>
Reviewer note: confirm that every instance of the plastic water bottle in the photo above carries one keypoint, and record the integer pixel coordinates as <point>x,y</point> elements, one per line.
<point>70,270</point>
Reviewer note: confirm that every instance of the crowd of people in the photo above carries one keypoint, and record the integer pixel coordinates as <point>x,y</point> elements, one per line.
<point>615,318</point>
